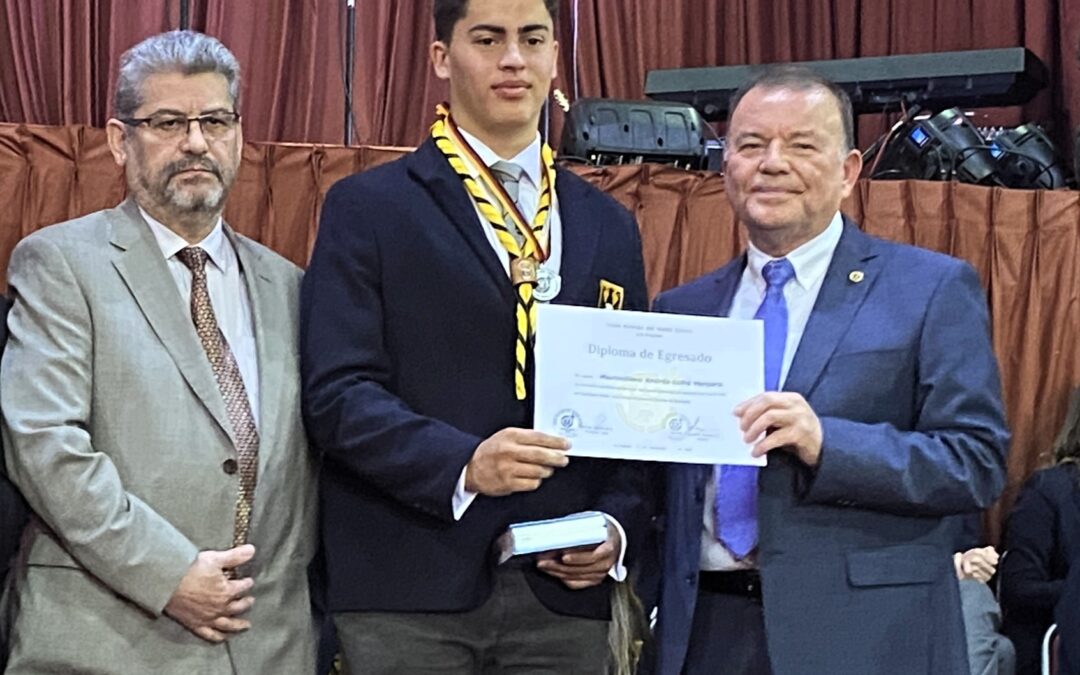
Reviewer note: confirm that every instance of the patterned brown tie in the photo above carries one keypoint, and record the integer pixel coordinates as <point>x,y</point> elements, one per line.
<point>231,385</point>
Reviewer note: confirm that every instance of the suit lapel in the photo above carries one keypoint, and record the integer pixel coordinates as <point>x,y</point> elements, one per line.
<point>727,282</point>
<point>580,238</point>
<point>139,261</point>
<point>430,168</point>
<point>266,309</point>
<point>834,310</point>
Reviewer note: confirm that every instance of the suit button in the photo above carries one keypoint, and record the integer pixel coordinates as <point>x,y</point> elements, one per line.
<point>691,579</point>
<point>229,466</point>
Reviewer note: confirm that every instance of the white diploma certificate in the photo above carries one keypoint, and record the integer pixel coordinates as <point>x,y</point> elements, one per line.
<point>645,386</point>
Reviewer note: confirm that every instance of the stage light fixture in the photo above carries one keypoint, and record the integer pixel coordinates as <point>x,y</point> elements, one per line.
<point>941,147</point>
<point>1026,159</point>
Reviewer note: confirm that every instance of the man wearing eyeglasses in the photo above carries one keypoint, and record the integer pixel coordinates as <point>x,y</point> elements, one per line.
<point>150,410</point>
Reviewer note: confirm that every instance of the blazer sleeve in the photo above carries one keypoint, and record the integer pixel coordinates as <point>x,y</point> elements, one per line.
<point>351,416</point>
<point>1032,541</point>
<point>953,458</point>
<point>74,487</point>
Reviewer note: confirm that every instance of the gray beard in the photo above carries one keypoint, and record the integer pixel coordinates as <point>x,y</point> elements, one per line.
<point>174,199</point>
<point>206,202</point>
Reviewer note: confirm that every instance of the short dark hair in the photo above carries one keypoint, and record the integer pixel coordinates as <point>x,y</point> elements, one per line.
<point>800,78</point>
<point>448,12</point>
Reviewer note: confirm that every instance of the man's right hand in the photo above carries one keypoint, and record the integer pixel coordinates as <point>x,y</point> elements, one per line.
<point>207,601</point>
<point>514,460</point>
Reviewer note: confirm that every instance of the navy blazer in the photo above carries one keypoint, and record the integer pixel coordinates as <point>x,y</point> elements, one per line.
<point>407,345</point>
<point>1042,539</point>
<point>855,555</point>
<point>13,511</point>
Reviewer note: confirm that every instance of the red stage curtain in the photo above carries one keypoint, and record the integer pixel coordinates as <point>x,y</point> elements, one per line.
<point>59,63</point>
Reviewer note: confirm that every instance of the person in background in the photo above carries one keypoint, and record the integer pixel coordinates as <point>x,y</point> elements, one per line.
<point>1042,543</point>
<point>989,652</point>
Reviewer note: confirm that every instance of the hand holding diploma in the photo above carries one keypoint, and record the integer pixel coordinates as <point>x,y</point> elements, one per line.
<point>514,460</point>
<point>781,419</point>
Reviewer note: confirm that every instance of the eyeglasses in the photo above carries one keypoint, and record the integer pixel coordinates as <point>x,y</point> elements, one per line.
<point>214,126</point>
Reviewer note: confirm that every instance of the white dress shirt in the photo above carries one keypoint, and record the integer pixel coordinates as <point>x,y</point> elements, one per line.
<point>531,161</point>
<point>228,296</point>
<point>810,261</point>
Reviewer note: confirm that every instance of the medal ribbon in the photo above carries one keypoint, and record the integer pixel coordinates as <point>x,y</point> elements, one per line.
<point>492,201</point>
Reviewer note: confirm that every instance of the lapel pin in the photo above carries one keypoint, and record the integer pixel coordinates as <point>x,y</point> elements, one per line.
<point>855,276</point>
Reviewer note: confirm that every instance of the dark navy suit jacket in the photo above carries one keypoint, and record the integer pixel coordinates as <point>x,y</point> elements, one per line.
<point>407,344</point>
<point>855,555</point>
<point>13,511</point>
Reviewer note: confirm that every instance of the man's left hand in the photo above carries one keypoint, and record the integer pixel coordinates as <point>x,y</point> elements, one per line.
<point>579,568</point>
<point>781,419</point>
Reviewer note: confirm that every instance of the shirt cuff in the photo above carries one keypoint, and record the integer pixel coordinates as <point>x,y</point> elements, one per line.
<point>618,570</point>
<point>464,498</point>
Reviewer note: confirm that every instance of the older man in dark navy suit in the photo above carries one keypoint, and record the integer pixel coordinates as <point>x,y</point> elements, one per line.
<point>836,558</point>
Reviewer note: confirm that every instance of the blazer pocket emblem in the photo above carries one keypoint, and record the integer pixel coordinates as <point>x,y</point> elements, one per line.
<point>611,295</point>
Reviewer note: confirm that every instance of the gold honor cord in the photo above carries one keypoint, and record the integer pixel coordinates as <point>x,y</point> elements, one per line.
<point>525,257</point>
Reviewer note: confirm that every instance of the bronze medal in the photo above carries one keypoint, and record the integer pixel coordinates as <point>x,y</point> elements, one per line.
<point>523,271</point>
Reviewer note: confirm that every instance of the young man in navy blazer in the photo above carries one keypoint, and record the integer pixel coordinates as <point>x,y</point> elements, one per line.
<point>886,419</point>
<point>417,368</point>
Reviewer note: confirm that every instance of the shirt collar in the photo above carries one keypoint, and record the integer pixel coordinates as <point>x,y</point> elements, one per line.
<point>810,260</point>
<point>215,244</point>
<point>528,159</point>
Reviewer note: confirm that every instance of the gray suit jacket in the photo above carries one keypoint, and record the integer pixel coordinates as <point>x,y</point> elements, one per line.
<point>116,432</point>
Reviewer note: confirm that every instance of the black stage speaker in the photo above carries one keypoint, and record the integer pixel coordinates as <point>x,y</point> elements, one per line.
<point>609,131</point>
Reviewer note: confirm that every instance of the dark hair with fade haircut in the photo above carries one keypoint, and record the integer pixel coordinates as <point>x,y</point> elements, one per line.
<point>800,78</point>
<point>178,51</point>
<point>448,12</point>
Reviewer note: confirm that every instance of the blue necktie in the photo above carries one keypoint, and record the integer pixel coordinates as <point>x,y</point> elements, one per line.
<point>736,486</point>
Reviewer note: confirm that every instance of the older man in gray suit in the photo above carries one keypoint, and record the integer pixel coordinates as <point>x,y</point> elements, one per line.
<point>149,398</point>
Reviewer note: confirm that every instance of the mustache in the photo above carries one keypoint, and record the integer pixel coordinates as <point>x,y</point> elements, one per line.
<point>173,168</point>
